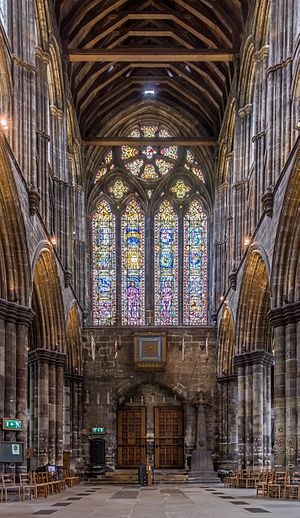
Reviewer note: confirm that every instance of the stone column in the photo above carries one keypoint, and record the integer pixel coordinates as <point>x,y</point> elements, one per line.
<point>277,321</point>
<point>248,414</point>
<point>241,411</point>
<point>76,454</point>
<point>60,362</point>
<point>2,368</point>
<point>43,414</point>
<point>25,316</point>
<point>258,415</point>
<point>257,407</point>
<point>228,437</point>
<point>291,395</point>
<point>52,413</point>
<point>10,373</point>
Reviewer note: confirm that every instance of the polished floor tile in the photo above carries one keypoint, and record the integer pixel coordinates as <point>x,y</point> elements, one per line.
<point>163,501</point>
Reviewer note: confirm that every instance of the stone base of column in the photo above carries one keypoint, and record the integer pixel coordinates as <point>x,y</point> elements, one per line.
<point>202,470</point>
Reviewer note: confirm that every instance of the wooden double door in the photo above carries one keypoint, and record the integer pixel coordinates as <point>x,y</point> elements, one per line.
<point>168,437</point>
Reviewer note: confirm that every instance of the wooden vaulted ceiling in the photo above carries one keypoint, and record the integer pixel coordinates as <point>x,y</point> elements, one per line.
<point>120,48</point>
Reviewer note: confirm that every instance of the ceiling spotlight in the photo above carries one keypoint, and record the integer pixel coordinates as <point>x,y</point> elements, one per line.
<point>222,298</point>
<point>188,69</point>
<point>53,240</point>
<point>149,92</point>
<point>111,68</point>
<point>169,73</point>
<point>247,241</point>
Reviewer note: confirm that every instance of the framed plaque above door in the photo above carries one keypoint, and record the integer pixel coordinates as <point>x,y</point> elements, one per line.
<point>150,351</point>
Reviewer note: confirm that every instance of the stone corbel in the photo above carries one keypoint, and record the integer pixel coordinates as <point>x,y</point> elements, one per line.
<point>268,201</point>
<point>68,278</point>
<point>34,201</point>
<point>245,110</point>
<point>232,279</point>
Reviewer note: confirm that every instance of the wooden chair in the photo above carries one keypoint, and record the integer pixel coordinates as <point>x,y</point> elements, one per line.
<point>70,478</point>
<point>292,487</point>
<point>261,485</point>
<point>276,487</point>
<point>9,485</point>
<point>40,481</point>
<point>28,487</point>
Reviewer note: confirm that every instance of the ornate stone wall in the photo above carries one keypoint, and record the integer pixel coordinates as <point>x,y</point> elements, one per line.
<point>107,381</point>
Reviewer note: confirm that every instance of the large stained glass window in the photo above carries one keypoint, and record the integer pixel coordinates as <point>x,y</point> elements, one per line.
<point>166,265</point>
<point>133,269</point>
<point>195,266</point>
<point>104,266</point>
<point>149,162</point>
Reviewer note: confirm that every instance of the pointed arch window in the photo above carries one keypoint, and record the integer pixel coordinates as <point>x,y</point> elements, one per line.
<point>133,265</point>
<point>104,266</point>
<point>166,265</point>
<point>195,266</point>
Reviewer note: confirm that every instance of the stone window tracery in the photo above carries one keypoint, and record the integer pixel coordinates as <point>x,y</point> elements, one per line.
<point>154,273</point>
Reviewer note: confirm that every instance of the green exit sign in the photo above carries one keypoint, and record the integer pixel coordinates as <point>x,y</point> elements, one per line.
<point>97,430</point>
<point>12,424</point>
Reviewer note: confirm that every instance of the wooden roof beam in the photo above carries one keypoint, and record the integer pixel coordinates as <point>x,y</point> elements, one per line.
<point>170,141</point>
<point>155,55</point>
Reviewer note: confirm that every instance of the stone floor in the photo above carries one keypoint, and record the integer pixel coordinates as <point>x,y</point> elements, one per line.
<point>164,501</point>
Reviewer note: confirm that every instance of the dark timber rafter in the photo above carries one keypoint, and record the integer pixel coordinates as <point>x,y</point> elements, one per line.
<point>155,55</point>
<point>183,49</point>
<point>177,141</point>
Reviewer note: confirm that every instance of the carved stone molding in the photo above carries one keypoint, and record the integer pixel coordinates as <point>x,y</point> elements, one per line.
<point>232,279</point>
<point>47,356</point>
<point>288,314</point>
<point>268,201</point>
<point>227,379</point>
<point>73,377</point>
<point>12,312</point>
<point>68,278</point>
<point>34,201</point>
<point>259,357</point>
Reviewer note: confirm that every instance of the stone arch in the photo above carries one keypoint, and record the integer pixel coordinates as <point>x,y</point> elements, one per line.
<point>285,316</point>
<point>226,344</point>
<point>15,280</point>
<point>47,303</point>
<point>253,329</point>
<point>55,77</point>
<point>73,388</point>
<point>253,363</point>
<point>5,80</point>
<point>286,265</point>
<point>43,22</point>
<point>47,361</point>
<point>73,349</point>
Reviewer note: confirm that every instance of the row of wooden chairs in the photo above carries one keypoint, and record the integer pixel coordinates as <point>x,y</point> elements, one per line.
<point>35,485</point>
<point>246,478</point>
<point>280,484</point>
<point>268,482</point>
<point>71,478</point>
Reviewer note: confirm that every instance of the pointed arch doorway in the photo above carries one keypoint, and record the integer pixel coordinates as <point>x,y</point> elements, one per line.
<point>150,428</point>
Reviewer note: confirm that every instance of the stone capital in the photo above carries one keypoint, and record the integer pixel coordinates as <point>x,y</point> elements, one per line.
<point>47,356</point>
<point>12,312</point>
<point>259,357</point>
<point>288,314</point>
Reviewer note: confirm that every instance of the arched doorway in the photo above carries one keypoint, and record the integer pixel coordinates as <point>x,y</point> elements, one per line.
<point>253,362</point>
<point>150,428</point>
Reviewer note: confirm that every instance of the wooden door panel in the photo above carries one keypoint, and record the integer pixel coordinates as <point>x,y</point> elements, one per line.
<point>131,437</point>
<point>168,437</point>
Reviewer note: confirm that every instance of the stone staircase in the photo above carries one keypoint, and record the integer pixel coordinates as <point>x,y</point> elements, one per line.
<point>130,476</point>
